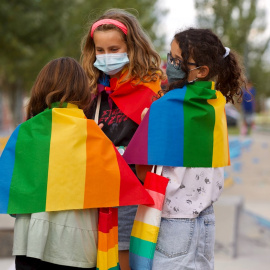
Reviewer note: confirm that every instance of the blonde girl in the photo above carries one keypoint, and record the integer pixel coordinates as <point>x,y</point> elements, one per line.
<point>124,76</point>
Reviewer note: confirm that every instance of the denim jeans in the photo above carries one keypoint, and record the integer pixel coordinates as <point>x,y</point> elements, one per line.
<point>126,216</point>
<point>186,244</point>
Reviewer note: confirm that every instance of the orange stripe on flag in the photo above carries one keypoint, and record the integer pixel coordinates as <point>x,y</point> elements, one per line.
<point>109,240</point>
<point>102,170</point>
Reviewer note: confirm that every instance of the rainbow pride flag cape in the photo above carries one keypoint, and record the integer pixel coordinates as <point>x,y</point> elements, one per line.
<point>133,97</point>
<point>146,224</point>
<point>59,160</point>
<point>187,127</point>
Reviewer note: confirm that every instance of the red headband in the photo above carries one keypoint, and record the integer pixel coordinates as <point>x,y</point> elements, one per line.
<point>108,21</point>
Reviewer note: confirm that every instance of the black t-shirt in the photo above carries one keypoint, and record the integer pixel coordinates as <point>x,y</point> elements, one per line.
<point>117,126</point>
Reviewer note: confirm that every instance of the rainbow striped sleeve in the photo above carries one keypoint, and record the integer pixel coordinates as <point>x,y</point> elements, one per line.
<point>146,224</point>
<point>59,160</point>
<point>107,255</point>
<point>185,128</point>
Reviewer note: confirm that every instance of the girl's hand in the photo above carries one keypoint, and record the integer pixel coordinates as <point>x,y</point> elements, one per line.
<point>144,112</point>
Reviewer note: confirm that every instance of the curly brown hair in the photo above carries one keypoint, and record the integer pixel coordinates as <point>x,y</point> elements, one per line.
<point>206,49</point>
<point>60,80</point>
<point>144,61</point>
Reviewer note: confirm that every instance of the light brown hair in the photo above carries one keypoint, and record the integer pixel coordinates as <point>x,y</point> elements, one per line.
<point>144,62</point>
<point>61,80</point>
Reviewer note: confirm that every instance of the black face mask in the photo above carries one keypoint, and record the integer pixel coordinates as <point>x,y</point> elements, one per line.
<point>174,74</point>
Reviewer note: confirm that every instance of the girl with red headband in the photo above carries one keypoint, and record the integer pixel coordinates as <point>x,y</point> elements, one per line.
<point>124,76</point>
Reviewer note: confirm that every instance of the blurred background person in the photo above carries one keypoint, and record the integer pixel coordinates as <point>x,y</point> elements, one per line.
<point>248,109</point>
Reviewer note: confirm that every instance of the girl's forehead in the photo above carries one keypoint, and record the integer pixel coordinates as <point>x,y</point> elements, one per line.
<point>175,49</point>
<point>107,37</point>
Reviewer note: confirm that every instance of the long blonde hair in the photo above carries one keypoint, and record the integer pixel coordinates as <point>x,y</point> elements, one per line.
<point>144,62</point>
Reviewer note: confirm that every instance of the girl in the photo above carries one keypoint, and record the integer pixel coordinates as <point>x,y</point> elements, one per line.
<point>55,162</point>
<point>47,240</point>
<point>124,74</point>
<point>37,237</point>
<point>189,139</point>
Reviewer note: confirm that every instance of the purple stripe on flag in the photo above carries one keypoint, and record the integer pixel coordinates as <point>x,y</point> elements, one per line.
<point>139,155</point>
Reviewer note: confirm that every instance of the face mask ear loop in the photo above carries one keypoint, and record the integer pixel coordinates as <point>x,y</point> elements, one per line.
<point>193,81</point>
<point>196,78</point>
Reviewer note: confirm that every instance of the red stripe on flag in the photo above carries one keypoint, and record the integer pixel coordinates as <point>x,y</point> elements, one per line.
<point>106,219</point>
<point>129,182</point>
<point>158,199</point>
<point>159,185</point>
<point>140,98</point>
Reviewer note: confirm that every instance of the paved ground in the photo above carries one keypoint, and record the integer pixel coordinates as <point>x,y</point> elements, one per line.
<point>7,264</point>
<point>247,178</point>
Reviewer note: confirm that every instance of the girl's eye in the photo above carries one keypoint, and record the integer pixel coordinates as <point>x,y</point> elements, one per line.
<point>99,50</point>
<point>114,49</point>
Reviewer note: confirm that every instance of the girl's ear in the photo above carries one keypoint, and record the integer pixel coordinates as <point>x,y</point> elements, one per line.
<point>203,72</point>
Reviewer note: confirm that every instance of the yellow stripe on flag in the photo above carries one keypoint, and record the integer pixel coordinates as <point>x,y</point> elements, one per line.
<point>213,85</point>
<point>107,260</point>
<point>220,147</point>
<point>145,231</point>
<point>70,105</point>
<point>66,176</point>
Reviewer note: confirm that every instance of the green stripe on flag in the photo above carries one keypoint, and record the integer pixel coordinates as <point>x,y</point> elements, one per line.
<point>142,248</point>
<point>199,123</point>
<point>31,165</point>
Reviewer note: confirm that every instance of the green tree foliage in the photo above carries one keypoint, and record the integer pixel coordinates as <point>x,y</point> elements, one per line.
<point>32,32</point>
<point>240,24</point>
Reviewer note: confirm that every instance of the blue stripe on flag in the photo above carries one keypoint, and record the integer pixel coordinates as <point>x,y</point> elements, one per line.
<point>137,262</point>
<point>172,134</point>
<point>7,161</point>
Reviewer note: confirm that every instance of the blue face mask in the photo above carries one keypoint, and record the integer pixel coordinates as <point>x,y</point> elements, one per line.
<point>174,74</point>
<point>111,63</point>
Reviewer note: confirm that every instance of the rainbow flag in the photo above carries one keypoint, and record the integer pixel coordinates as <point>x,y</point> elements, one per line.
<point>187,127</point>
<point>59,160</point>
<point>146,225</point>
<point>132,97</point>
<point>107,255</point>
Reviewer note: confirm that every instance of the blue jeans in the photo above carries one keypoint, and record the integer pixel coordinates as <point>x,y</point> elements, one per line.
<point>186,244</point>
<point>126,216</point>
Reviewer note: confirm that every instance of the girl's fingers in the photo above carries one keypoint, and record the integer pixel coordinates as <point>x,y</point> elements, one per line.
<point>144,113</point>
